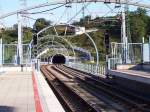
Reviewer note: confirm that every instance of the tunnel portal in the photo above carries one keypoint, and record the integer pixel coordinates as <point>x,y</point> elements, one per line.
<point>58,59</point>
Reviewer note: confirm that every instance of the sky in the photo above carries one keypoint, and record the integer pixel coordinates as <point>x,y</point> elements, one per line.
<point>60,15</point>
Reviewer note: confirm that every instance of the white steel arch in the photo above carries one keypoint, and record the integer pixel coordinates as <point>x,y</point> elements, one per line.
<point>57,36</point>
<point>67,43</point>
<point>95,47</point>
<point>61,45</point>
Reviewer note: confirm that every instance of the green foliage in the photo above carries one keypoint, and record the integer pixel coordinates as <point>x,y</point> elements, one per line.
<point>27,35</point>
<point>40,24</point>
<point>9,36</point>
<point>138,21</point>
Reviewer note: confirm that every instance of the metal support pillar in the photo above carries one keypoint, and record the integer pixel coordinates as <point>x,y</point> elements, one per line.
<point>30,53</point>
<point>38,64</point>
<point>142,50</point>
<point>1,52</point>
<point>124,37</point>
<point>19,53</point>
<point>149,49</point>
<point>106,67</point>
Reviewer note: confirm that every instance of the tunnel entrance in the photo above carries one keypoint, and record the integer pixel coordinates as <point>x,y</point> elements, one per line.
<point>58,59</point>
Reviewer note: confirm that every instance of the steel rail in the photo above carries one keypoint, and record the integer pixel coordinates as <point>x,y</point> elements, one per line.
<point>79,105</point>
<point>118,93</point>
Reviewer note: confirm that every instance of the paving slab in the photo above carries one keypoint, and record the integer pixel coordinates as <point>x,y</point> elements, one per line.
<point>16,92</point>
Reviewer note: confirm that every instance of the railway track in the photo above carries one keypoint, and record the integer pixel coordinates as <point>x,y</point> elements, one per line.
<point>70,101</point>
<point>96,93</point>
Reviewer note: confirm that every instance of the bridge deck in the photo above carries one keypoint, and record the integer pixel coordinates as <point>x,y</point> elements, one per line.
<point>16,92</point>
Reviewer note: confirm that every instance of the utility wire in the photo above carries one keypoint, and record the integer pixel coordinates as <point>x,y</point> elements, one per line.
<point>46,10</point>
<point>28,17</point>
<point>78,12</point>
<point>62,15</point>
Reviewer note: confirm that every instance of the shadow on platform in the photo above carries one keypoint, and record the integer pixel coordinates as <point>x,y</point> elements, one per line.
<point>138,67</point>
<point>7,109</point>
<point>141,67</point>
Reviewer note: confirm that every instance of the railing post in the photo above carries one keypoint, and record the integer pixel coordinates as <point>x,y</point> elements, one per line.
<point>3,57</point>
<point>106,66</point>
<point>1,54</point>
<point>88,69</point>
<point>142,49</point>
<point>91,68</point>
<point>149,49</point>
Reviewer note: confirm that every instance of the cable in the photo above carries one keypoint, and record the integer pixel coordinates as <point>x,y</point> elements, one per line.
<point>61,15</point>
<point>108,6</point>
<point>138,1</point>
<point>29,17</point>
<point>78,12</point>
<point>46,10</point>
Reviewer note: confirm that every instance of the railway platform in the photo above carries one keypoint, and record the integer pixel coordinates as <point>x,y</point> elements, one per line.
<point>135,78</point>
<point>26,91</point>
<point>16,91</point>
<point>139,76</point>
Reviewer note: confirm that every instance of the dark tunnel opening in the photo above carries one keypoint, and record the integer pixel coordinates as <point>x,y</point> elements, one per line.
<point>58,59</point>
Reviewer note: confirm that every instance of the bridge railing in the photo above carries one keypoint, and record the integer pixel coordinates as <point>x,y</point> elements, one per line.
<point>89,68</point>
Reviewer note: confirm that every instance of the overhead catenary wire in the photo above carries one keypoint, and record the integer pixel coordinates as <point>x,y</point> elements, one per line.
<point>78,13</point>
<point>45,10</point>
<point>59,19</point>
<point>40,12</point>
<point>29,17</point>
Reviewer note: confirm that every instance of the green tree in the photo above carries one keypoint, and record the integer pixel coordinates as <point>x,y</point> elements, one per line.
<point>9,36</point>
<point>138,24</point>
<point>40,24</point>
<point>27,35</point>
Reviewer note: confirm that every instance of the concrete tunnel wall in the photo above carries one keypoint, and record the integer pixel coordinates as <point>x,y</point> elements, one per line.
<point>58,59</point>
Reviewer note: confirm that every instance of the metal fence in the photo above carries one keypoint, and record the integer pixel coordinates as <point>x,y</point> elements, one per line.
<point>9,54</point>
<point>132,53</point>
<point>89,68</point>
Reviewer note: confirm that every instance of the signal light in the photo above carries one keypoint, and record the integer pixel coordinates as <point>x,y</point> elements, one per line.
<point>107,42</point>
<point>35,53</point>
<point>34,39</point>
